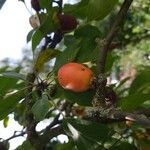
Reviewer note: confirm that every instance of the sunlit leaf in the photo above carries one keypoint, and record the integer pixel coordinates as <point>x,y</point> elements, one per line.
<point>5,122</point>
<point>44,57</point>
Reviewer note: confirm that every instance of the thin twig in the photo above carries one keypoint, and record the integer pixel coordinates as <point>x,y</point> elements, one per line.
<point>16,135</point>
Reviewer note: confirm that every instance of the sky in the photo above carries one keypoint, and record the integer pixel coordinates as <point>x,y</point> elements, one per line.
<point>14,27</point>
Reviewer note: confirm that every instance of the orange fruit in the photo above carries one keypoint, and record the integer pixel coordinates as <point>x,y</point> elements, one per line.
<point>75,77</point>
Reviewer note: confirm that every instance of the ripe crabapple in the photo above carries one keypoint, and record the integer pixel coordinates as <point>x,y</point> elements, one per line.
<point>75,77</point>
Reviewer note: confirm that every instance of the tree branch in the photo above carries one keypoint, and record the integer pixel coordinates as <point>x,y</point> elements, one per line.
<point>113,32</point>
<point>32,135</point>
<point>22,133</point>
<point>99,98</point>
<point>140,116</point>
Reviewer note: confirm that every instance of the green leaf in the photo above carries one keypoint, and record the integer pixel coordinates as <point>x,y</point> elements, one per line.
<point>65,146</point>
<point>81,98</point>
<point>44,57</point>
<point>7,84</point>
<point>88,47</point>
<point>91,9</point>
<point>141,82</point>
<point>101,9</point>
<point>88,51</point>
<point>9,103</point>
<point>133,101</point>
<point>5,122</point>
<point>29,36</point>
<point>46,4</point>
<point>26,145</point>
<point>87,31</point>
<point>14,75</point>
<point>78,10</point>
<point>85,134</point>
<point>69,40</point>
<point>41,108</point>
<point>36,38</point>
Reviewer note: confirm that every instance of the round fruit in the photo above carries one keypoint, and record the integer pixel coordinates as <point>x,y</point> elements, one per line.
<point>35,5</point>
<point>75,77</point>
<point>67,22</point>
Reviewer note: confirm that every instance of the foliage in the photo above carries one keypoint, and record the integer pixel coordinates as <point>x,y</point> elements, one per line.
<point>36,96</point>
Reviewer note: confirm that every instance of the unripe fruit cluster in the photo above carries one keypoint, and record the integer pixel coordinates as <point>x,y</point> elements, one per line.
<point>75,77</point>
